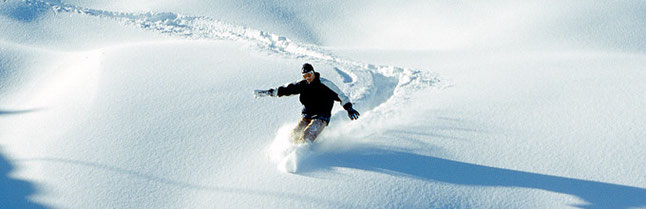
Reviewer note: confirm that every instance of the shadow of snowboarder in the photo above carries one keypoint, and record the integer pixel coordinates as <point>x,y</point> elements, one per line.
<point>596,194</point>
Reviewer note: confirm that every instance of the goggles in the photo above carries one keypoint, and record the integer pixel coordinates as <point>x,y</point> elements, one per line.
<point>308,75</point>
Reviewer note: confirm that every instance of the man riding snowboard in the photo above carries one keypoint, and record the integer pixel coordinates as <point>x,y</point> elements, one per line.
<point>317,96</point>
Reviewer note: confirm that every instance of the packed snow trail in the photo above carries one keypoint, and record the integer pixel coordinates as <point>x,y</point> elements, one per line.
<point>360,80</point>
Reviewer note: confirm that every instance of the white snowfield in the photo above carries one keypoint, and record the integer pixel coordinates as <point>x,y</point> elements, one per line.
<point>104,106</point>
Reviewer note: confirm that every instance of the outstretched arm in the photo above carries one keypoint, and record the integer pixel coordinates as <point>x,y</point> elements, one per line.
<point>289,89</point>
<point>285,90</point>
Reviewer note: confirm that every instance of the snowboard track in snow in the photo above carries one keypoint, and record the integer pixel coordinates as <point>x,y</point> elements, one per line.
<point>368,84</point>
<point>394,83</point>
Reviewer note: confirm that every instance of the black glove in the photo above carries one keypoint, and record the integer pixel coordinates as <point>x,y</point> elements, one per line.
<point>352,114</point>
<point>264,93</point>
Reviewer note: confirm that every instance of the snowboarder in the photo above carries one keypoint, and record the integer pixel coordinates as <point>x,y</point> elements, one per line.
<point>317,95</point>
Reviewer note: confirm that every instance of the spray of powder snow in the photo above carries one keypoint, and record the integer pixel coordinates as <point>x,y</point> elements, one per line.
<point>289,156</point>
<point>286,154</point>
<point>343,136</point>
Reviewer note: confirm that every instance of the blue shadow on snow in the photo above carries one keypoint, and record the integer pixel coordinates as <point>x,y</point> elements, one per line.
<point>14,193</point>
<point>25,11</point>
<point>596,194</point>
<point>15,112</point>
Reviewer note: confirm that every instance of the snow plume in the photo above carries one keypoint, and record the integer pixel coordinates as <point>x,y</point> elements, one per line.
<point>341,137</point>
<point>286,154</point>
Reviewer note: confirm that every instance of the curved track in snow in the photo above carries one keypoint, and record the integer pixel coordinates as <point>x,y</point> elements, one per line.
<point>368,84</point>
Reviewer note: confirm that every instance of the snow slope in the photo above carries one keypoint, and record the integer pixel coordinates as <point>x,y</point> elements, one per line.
<point>107,105</point>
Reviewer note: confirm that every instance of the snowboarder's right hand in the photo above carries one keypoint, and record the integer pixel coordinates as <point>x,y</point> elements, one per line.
<point>264,93</point>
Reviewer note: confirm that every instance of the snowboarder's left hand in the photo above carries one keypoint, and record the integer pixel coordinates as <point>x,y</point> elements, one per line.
<point>353,114</point>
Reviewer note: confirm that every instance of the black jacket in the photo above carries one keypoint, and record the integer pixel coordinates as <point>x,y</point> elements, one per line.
<point>318,97</point>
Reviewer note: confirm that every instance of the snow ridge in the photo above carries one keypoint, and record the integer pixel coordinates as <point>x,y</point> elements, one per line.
<point>365,77</point>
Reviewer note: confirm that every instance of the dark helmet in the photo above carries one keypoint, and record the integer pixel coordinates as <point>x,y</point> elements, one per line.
<point>307,68</point>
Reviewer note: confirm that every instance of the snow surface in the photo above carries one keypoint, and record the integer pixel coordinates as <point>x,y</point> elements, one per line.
<point>148,104</point>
